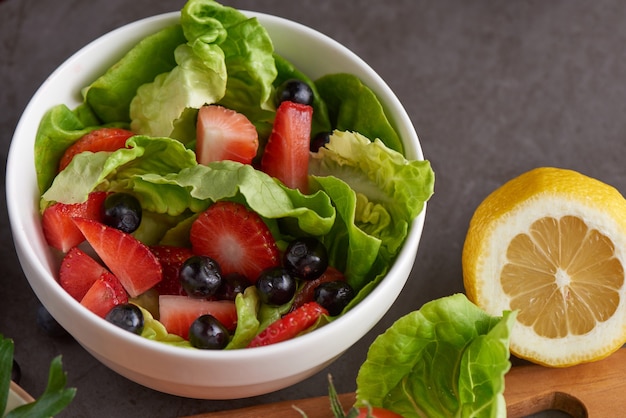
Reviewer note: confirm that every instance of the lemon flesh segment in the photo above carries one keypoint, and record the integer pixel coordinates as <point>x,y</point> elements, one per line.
<point>551,244</point>
<point>562,277</point>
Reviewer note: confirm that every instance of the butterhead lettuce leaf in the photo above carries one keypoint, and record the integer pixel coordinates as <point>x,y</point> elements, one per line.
<point>59,128</point>
<point>353,106</point>
<point>110,95</point>
<point>389,190</point>
<point>228,58</point>
<point>448,359</point>
<point>248,304</point>
<point>114,170</point>
<point>350,248</point>
<point>199,78</point>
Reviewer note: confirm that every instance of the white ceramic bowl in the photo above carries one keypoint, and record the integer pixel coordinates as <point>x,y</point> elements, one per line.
<point>197,374</point>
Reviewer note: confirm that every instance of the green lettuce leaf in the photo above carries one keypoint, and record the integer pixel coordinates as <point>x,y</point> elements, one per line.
<point>111,94</point>
<point>447,359</point>
<point>203,184</point>
<point>116,170</point>
<point>353,106</point>
<point>248,51</point>
<point>389,190</point>
<point>248,304</point>
<point>246,46</point>
<point>199,78</point>
<point>227,59</point>
<point>350,248</point>
<point>59,128</point>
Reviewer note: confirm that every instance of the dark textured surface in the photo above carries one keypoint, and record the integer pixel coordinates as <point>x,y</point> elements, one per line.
<point>494,89</point>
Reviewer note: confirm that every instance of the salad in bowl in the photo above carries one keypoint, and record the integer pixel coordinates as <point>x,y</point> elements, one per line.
<point>209,186</point>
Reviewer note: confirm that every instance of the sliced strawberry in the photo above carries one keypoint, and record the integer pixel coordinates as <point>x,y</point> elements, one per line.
<point>171,259</point>
<point>306,292</point>
<point>289,325</point>
<point>127,258</point>
<point>176,313</point>
<point>102,139</point>
<point>223,134</point>
<point>79,272</point>
<point>104,294</point>
<point>235,237</point>
<point>59,229</point>
<point>286,155</point>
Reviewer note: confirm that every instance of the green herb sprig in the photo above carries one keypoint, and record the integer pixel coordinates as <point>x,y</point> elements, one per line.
<point>55,398</point>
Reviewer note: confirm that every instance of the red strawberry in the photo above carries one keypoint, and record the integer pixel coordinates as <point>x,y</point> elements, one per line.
<point>171,258</point>
<point>286,155</point>
<point>59,229</point>
<point>223,134</point>
<point>127,258</point>
<point>104,294</point>
<point>79,272</point>
<point>289,325</point>
<point>375,412</point>
<point>306,292</point>
<point>102,139</point>
<point>176,313</point>
<point>236,238</point>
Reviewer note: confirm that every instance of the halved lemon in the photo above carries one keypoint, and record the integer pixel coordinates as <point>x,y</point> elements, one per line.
<point>551,244</point>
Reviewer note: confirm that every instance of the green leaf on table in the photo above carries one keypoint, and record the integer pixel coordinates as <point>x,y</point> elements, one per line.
<point>6,363</point>
<point>447,359</point>
<point>54,399</point>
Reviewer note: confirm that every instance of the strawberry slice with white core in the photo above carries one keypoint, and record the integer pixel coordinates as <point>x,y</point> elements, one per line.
<point>79,272</point>
<point>58,227</point>
<point>235,237</point>
<point>286,154</point>
<point>176,313</point>
<point>224,134</point>
<point>127,258</point>
<point>106,293</point>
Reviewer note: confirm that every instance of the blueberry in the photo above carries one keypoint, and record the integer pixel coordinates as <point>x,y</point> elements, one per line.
<point>232,285</point>
<point>294,90</point>
<point>319,140</point>
<point>206,332</point>
<point>334,296</point>
<point>276,286</point>
<point>48,324</point>
<point>126,316</point>
<point>122,211</point>
<point>200,276</point>
<point>306,258</point>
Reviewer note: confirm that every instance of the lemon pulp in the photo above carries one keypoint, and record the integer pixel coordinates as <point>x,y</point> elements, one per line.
<point>562,276</point>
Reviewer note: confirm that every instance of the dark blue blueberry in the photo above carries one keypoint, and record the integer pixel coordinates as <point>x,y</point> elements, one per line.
<point>126,316</point>
<point>48,324</point>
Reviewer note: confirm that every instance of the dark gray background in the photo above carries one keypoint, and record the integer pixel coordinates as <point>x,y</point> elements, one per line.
<point>494,89</point>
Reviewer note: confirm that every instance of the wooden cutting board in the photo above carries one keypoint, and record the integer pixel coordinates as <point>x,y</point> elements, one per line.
<point>593,390</point>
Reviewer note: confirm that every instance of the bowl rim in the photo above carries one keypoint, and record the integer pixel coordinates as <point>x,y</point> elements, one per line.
<point>24,245</point>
